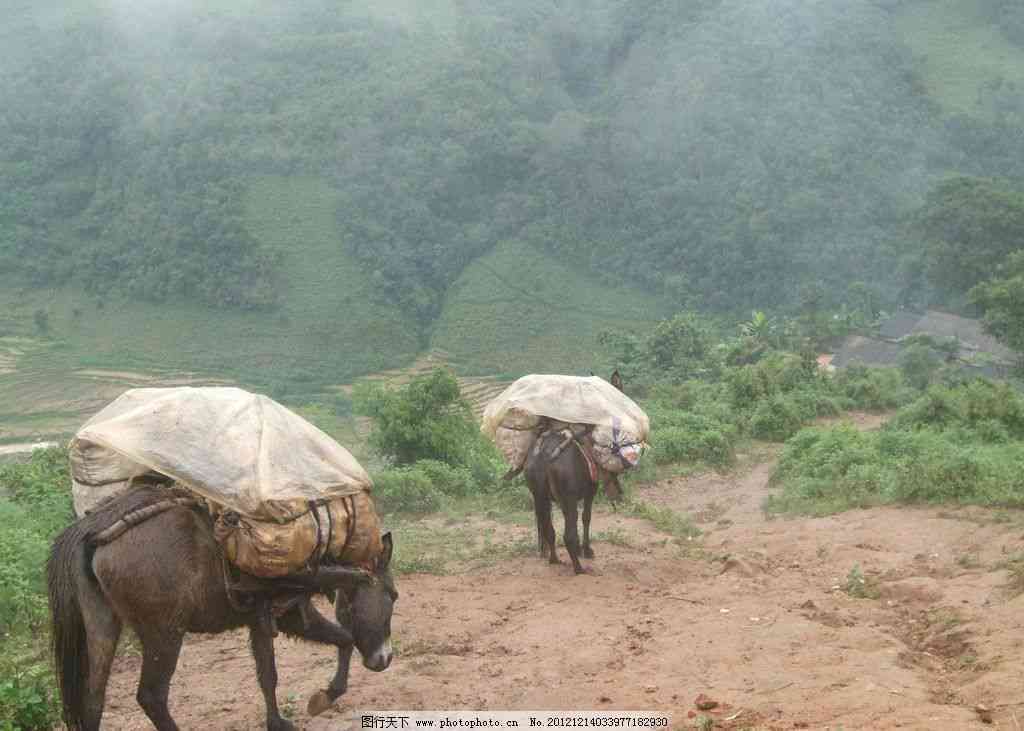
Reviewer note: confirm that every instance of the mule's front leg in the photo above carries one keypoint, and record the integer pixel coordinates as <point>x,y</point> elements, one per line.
<point>266,671</point>
<point>310,625</point>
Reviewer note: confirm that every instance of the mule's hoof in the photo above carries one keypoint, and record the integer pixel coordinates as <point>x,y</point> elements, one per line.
<point>318,703</point>
<point>281,725</point>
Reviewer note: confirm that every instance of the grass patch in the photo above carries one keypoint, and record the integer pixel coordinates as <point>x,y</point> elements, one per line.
<point>664,519</point>
<point>962,52</point>
<point>614,536</point>
<point>433,547</point>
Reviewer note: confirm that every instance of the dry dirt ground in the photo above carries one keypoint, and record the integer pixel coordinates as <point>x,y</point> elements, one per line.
<point>753,613</point>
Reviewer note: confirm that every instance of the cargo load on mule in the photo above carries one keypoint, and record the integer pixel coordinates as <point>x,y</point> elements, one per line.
<point>283,497</point>
<point>594,416</point>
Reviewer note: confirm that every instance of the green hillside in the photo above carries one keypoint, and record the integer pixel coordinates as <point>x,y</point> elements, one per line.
<point>966,56</point>
<point>328,329</point>
<point>292,196</point>
<point>517,310</point>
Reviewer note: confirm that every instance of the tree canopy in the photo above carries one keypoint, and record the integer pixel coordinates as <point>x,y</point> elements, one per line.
<point>718,153</point>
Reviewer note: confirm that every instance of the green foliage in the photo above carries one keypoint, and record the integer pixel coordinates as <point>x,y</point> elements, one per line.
<point>1002,300</point>
<point>919,365</point>
<point>428,432</point>
<point>772,398</point>
<point>954,444</point>
<point>679,347</point>
<point>23,552</point>
<point>676,349</point>
<point>872,389</point>
<point>28,697</point>
<point>425,419</point>
<point>127,171</point>
<point>704,441</point>
<point>35,504</point>
<point>406,489</point>
<point>429,485</point>
<point>519,309</point>
<point>994,408</point>
<point>970,226</point>
<point>780,416</point>
<point>859,586</point>
<point>777,373</point>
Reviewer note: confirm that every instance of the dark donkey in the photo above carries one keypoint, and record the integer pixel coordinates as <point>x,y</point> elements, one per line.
<point>556,470</point>
<point>165,577</point>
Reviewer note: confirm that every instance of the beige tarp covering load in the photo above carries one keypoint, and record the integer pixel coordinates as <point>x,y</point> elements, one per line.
<point>239,450</point>
<point>620,426</point>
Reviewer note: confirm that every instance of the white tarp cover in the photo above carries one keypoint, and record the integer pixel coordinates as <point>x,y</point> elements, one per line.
<point>238,449</point>
<point>570,399</point>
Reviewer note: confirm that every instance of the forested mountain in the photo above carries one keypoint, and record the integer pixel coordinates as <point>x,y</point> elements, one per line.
<point>718,154</point>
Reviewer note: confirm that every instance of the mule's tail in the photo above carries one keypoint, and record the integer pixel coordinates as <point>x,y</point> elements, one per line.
<point>67,565</point>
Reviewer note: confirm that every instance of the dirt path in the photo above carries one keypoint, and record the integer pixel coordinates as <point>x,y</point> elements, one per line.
<point>7,450</point>
<point>752,613</point>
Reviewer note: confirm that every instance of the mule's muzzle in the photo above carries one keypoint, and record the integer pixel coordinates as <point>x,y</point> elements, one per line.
<point>380,659</point>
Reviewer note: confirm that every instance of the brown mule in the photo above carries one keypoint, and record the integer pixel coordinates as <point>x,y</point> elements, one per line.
<point>164,578</point>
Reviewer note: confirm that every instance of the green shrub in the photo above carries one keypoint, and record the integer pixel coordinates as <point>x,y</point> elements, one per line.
<point>776,373</point>
<point>426,419</point>
<point>28,696</point>
<point>35,504</point>
<point>679,444</point>
<point>448,480</point>
<point>920,365</point>
<point>427,485</point>
<point>23,552</point>
<point>872,389</point>
<point>406,490</point>
<point>777,418</point>
<point>826,470</point>
<point>979,410</point>
<point>939,408</point>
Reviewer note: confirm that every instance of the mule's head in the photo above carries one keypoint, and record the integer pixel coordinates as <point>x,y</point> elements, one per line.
<point>368,614</point>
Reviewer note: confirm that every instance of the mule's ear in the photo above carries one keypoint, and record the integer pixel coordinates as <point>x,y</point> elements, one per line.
<point>616,379</point>
<point>385,555</point>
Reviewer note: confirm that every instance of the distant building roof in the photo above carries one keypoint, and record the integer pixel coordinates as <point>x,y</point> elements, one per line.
<point>899,325</point>
<point>970,333</point>
<point>867,351</point>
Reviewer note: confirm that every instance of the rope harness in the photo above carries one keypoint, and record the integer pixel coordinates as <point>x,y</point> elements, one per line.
<point>132,519</point>
<point>570,437</point>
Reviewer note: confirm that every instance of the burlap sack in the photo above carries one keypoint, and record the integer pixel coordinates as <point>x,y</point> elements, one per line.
<point>361,545</point>
<point>514,444</point>
<point>348,531</point>
<point>266,549</point>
